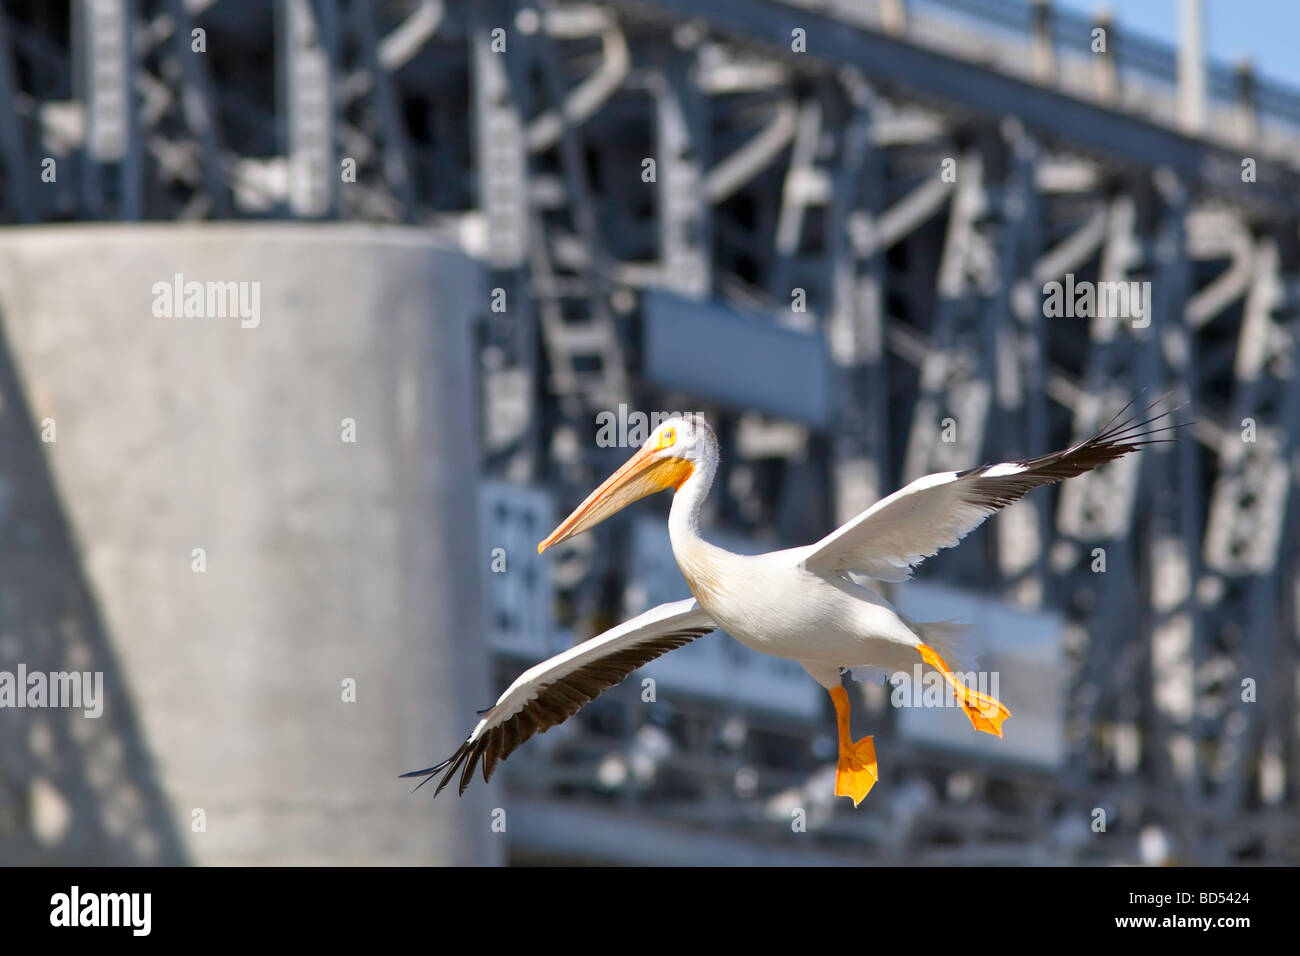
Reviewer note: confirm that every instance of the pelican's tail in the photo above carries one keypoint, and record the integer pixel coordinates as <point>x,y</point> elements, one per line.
<point>951,640</point>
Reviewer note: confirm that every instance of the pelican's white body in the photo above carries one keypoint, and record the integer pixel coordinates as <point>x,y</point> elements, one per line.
<point>773,604</point>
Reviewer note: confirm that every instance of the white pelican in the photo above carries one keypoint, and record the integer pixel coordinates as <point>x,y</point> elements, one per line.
<point>800,603</point>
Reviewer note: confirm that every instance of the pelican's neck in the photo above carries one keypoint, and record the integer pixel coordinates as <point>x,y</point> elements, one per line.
<point>694,555</point>
<point>701,563</point>
<point>688,505</point>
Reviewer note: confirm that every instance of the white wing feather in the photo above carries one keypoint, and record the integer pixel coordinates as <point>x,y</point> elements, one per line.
<point>647,627</point>
<point>936,511</point>
<point>557,688</point>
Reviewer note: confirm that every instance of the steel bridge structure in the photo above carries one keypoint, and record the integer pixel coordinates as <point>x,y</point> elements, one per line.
<point>829,225</point>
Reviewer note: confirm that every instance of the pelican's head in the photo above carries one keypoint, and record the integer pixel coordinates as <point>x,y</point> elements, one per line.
<point>669,457</point>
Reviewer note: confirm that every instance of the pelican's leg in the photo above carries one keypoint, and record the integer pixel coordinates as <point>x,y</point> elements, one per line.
<point>985,712</point>
<point>855,773</point>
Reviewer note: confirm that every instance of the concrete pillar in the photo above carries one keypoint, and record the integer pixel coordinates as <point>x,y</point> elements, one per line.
<point>326,561</point>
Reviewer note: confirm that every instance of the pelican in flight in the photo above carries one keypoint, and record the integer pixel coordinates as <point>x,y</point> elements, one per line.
<point>807,603</point>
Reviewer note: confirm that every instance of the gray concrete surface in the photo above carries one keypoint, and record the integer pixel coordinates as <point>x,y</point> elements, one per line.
<point>325,560</point>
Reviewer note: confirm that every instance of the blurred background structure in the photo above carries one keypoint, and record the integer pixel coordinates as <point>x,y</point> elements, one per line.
<point>828,225</point>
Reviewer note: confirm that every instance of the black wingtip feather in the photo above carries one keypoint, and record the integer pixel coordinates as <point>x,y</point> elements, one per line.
<point>428,773</point>
<point>1117,438</point>
<point>555,701</point>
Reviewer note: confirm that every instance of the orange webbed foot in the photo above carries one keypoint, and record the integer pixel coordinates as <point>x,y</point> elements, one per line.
<point>856,772</point>
<point>986,713</point>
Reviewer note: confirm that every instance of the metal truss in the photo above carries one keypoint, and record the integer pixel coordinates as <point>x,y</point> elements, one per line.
<point>898,202</point>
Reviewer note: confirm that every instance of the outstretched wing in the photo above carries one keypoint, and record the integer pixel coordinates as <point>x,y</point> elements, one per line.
<point>936,511</point>
<point>556,689</point>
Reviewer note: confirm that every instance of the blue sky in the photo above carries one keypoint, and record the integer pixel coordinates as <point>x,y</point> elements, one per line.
<point>1266,31</point>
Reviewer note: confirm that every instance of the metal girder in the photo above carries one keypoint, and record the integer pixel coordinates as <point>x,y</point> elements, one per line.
<point>1247,512</point>
<point>309,41</point>
<point>951,414</point>
<point>1093,558</point>
<point>682,152</point>
<point>1020,413</point>
<point>500,147</point>
<point>1171,520</point>
<point>978,90</point>
<point>583,347</point>
<point>392,147</point>
<point>110,159</point>
<point>13,145</point>
<point>1243,534</point>
<point>199,105</point>
<point>855,325</point>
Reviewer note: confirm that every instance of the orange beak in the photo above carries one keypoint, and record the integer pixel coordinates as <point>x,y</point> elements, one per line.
<point>643,474</point>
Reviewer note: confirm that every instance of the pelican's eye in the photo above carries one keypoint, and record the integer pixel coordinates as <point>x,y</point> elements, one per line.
<point>668,438</point>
